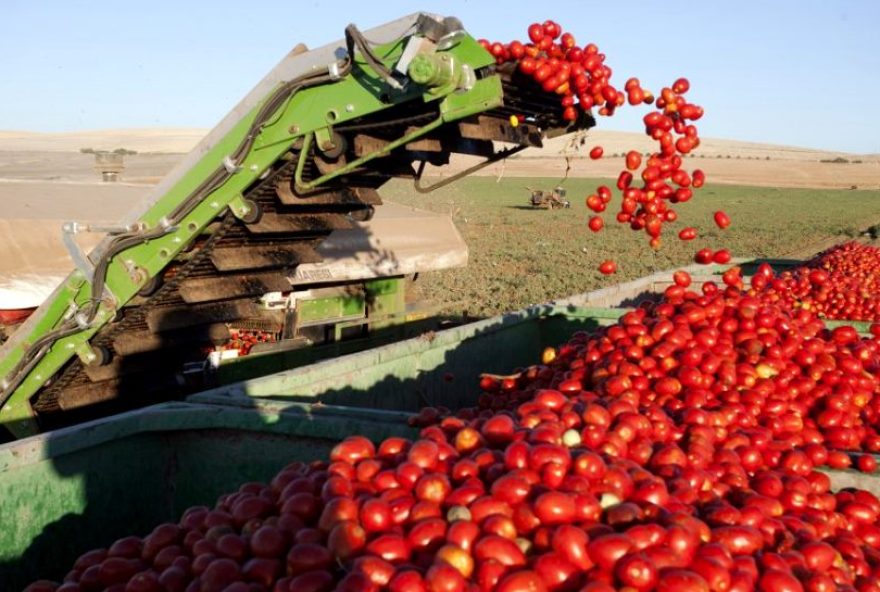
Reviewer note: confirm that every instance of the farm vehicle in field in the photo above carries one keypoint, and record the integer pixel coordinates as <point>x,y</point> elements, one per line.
<point>549,200</point>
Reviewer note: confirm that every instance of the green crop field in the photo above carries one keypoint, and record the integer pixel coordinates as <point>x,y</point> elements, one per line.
<point>521,256</point>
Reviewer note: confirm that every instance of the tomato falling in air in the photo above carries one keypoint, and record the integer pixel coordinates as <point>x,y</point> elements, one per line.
<point>596,223</point>
<point>722,220</point>
<point>866,463</point>
<point>607,267</point>
<point>582,79</point>
<point>536,32</point>
<point>633,160</point>
<point>721,256</point>
<point>704,256</point>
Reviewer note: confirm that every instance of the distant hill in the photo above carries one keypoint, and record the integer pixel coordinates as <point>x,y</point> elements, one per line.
<point>621,142</point>
<point>725,161</point>
<point>166,140</point>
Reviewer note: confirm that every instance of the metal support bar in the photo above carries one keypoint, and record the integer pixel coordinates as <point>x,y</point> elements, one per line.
<point>384,151</point>
<point>80,259</point>
<point>492,159</point>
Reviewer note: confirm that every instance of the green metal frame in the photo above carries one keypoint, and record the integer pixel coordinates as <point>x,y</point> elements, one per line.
<point>310,112</point>
<point>380,312</point>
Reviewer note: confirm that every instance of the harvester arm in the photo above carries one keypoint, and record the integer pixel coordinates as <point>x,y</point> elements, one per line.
<point>300,155</point>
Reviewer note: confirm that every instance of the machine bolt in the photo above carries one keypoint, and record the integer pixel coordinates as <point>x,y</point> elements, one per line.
<point>432,70</point>
<point>254,168</point>
<point>349,108</point>
<point>422,69</point>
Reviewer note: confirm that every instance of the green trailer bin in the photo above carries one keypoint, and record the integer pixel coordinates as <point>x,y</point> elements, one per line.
<point>65,492</point>
<point>437,368</point>
<point>68,491</point>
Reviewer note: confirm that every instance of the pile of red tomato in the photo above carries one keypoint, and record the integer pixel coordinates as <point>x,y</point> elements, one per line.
<point>840,283</point>
<point>582,79</point>
<point>676,450</point>
<point>243,340</point>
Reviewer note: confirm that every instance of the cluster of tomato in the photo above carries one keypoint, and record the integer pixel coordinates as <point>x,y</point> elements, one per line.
<point>676,450</point>
<point>582,79</point>
<point>840,283</point>
<point>243,340</point>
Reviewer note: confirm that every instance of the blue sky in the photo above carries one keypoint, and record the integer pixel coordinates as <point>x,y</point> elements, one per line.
<point>799,72</point>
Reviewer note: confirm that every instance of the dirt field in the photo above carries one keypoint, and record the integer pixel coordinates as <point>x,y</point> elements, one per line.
<point>521,256</point>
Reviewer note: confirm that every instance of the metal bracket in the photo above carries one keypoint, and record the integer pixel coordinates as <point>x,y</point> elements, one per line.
<point>87,353</point>
<point>414,46</point>
<point>417,181</point>
<point>80,259</point>
<point>335,71</point>
<point>230,166</point>
<point>277,301</point>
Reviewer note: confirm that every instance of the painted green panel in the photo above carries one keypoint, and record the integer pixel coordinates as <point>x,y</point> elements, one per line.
<point>317,310</point>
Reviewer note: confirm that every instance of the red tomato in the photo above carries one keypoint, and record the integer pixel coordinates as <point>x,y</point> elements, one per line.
<point>596,153</point>
<point>636,571</point>
<point>407,581</point>
<point>555,507</point>
<point>722,220</point>
<point>500,549</point>
<point>687,234</point>
<point>346,539</point>
<point>312,581</point>
<point>633,160</point>
<point>774,580</point>
<point>681,278</point>
<point>721,256</point>
<point>457,557</point>
<point>521,581</point>
<point>606,550</point>
<point>704,256</point>
<point>607,267</point>
<point>867,463</point>
<point>442,577</point>
<point>571,543</point>
<point>536,32</point>
<point>353,449</point>
<point>681,86</point>
<point>375,516</point>
<point>681,580</point>
<point>390,547</point>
